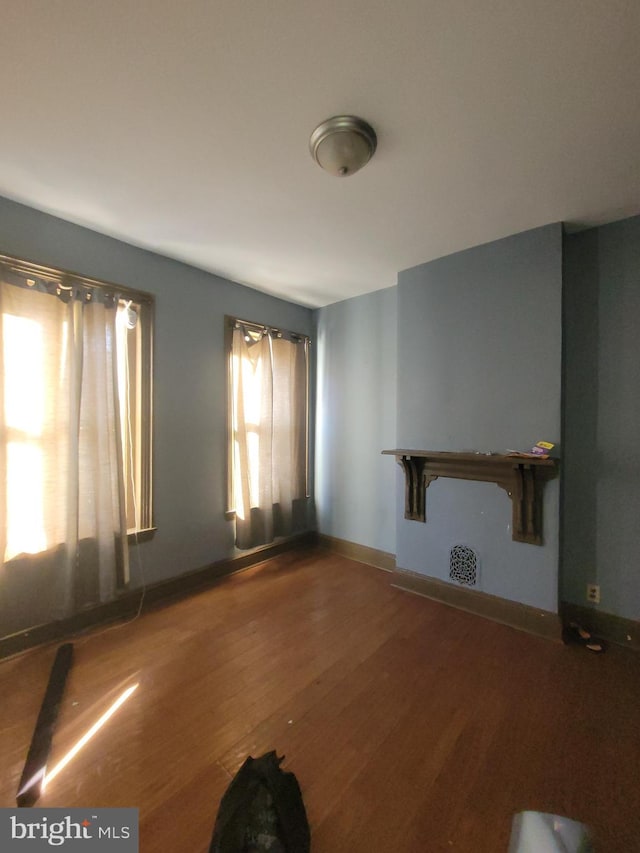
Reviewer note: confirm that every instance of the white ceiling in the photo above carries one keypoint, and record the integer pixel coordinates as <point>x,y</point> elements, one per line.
<point>183,127</point>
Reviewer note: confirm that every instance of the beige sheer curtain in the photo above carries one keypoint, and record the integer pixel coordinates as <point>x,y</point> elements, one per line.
<point>269,375</point>
<point>63,537</point>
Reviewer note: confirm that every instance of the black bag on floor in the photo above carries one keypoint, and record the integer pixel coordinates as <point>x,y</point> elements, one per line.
<point>262,811</point>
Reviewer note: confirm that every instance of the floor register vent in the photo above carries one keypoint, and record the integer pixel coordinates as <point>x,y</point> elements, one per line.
<point>463,565</point>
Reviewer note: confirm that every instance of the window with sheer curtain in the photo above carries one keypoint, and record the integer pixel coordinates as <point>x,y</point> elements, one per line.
<point>268,425</point>
<point>75,440</point>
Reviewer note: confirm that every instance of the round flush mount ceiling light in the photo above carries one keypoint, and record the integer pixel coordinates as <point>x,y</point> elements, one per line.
<point>342,145</point>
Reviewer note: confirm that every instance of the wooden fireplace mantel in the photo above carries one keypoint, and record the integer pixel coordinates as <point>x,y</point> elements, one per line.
<point>522,478</point>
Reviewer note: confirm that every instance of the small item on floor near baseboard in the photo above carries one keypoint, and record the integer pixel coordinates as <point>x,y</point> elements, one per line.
<point>574,633</point>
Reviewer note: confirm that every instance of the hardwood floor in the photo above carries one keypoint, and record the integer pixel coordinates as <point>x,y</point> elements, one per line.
<point>409,725</point>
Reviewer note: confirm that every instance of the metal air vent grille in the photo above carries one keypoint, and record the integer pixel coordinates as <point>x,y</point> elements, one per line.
<point>463,565</point>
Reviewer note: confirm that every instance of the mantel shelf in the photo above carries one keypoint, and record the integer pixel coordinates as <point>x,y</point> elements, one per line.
<point>522,478</point>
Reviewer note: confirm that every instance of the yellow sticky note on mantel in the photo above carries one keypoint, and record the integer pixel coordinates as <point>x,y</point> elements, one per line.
<point>540,450</point>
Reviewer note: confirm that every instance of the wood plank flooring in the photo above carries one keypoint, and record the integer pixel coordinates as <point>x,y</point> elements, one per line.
<point>409,725</point>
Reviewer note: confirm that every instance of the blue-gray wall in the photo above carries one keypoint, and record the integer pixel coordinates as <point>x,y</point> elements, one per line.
<point>479,368</point>
<point>601,487</point>
<point>580,415</point>
<point>356,419</point>
<point>189,376</point>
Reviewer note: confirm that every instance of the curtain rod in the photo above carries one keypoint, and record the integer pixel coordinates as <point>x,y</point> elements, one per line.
<point>65,277</point>
<point>237,323</point>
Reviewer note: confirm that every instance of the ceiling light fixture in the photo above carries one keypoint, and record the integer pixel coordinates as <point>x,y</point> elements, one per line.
<point>342,145</point>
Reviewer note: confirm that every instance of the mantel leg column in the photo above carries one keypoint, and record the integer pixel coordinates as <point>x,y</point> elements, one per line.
<point>414,487</point>
<point>516,495</point>
<point>527,507</point>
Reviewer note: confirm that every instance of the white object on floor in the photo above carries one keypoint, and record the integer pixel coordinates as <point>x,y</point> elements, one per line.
<point>536,832</point>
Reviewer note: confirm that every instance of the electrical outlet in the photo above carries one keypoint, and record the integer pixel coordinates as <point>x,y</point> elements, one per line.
<point>593,593</point>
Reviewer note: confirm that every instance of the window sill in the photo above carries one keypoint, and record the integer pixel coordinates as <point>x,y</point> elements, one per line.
<point>141,535</point>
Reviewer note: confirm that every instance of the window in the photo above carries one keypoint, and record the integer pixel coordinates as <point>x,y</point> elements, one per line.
<point>62,340</point>
<point>268,430</point>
